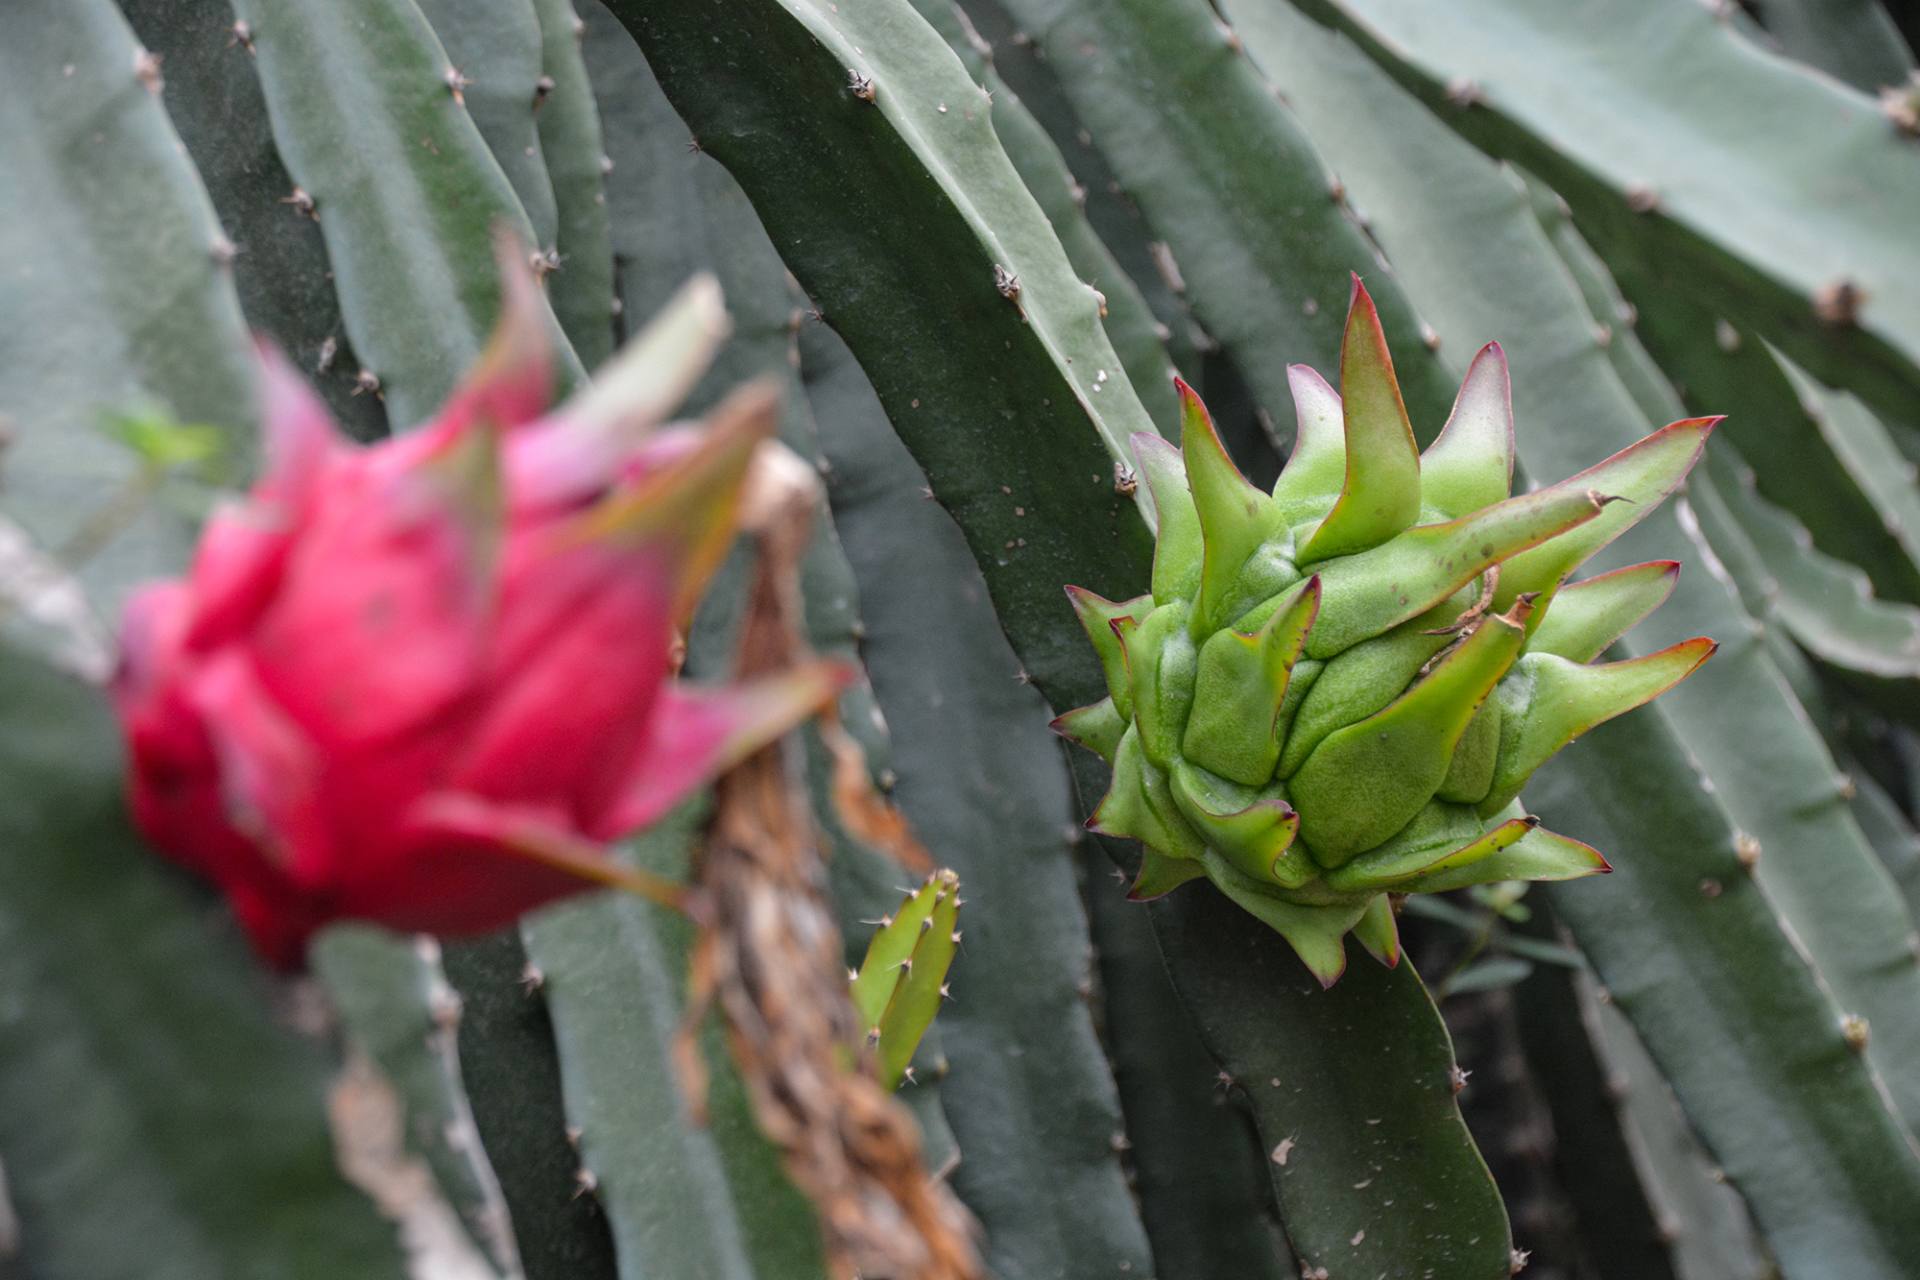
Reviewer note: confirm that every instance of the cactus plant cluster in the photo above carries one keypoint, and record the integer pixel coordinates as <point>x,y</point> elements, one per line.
<point>985,260</point>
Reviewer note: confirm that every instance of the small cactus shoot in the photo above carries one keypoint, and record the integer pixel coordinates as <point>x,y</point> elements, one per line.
<point>903,977</point>
<point>1335,691</point>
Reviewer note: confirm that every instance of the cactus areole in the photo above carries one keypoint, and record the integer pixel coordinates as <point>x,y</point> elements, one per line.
<point>1334,692</point>
<point>422,683</point>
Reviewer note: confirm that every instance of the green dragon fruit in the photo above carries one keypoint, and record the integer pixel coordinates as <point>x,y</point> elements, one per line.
<point>1334,692</point>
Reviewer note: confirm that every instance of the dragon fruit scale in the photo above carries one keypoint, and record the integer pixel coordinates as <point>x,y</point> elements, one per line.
<point>1333,693</point>
<point>422,683</point>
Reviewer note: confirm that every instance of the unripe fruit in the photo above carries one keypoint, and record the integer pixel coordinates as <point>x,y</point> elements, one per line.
<point>1334,692</point>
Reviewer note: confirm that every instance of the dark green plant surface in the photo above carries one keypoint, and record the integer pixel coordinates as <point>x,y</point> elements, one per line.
<point>1230,183</point>
<point>580,283</point>
<point>1852,40</point>
<point>914,292</point>
<point>491,62</point>
<point>1815,252</point>
<point>397,1006</point>
<point>1199,1167</point>
<point>114,290</point>
<point>510,1066</point>
<point>1382,1146</point>
<point>680,1198</point>
<point>405,189</point>
<point>1029,1095</point>
<point>212,94</point>
<point>1647,1201</point>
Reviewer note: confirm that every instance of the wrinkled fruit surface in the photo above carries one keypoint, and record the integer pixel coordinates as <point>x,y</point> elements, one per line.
<point>422,683</point>
<point>1334,692</point>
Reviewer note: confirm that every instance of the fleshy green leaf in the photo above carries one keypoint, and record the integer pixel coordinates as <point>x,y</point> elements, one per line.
<point>1177,548</point>
<point>1429,844</point>
<point>1381,495</point>
<point>1316,934</point>
<point>1470,465</point>
<point>1310,483</point>
<point>1235,515</point>
<point>1139,805</point>
<point>1097,616</point>
<point>1252,829</point>
<point>1161,660</point>
<point>1640,475</point>
<point>1161,874</point>
<point>1539,854</point>
<point>1241,682</point>
<point>1096,727</point>
<point>1379,932</point>
<point>1366,781</point>
<point>1549,702</point>
<point>1588,616</point>
<point>1363,595</point>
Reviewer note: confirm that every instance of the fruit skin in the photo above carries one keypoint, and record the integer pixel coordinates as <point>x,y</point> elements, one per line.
<point>421,683</point>
<point>1335,692</point>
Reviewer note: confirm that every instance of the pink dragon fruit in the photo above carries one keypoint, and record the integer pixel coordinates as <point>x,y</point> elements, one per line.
<point>421,683</point>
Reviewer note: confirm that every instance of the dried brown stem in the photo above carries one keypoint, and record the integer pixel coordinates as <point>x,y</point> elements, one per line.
<point>770,957</point>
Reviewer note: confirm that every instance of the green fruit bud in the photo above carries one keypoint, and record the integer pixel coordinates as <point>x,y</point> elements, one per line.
<point>1335,692</point>
<point>902,981</point>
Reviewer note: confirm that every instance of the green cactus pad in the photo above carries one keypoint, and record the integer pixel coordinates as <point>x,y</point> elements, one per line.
<point>1335,692</point>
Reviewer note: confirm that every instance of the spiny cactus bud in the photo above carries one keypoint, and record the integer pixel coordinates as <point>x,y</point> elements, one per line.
<point>1334,692</point>
<point>902,980</point>
<point>420,683</point>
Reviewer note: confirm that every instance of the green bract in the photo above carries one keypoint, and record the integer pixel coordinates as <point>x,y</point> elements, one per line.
<point>1334,692</point>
